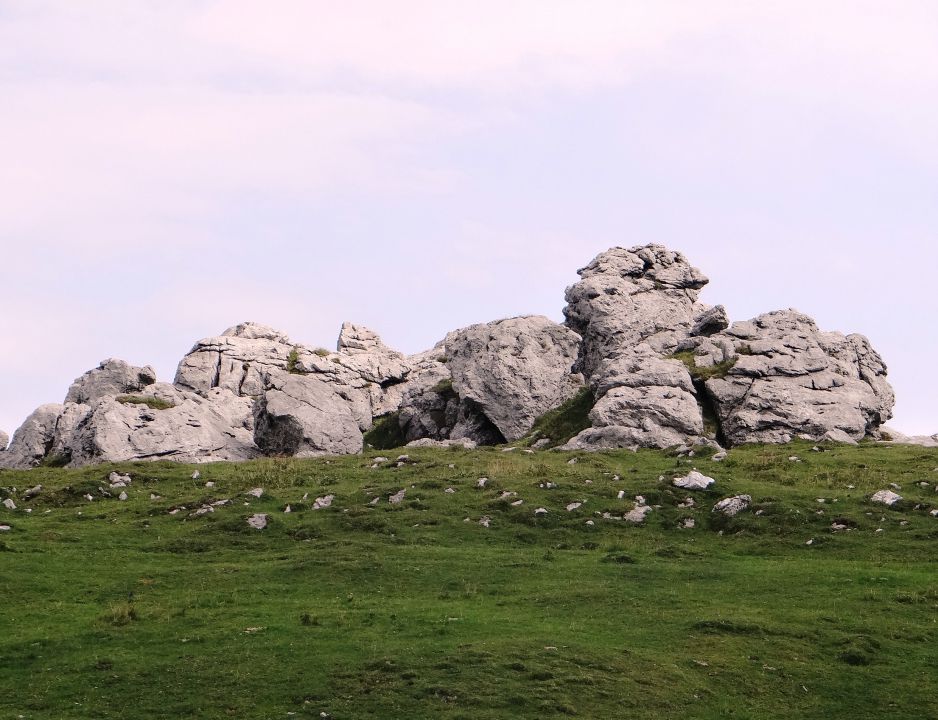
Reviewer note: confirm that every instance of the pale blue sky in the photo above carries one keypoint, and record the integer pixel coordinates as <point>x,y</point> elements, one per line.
<point>172,168</point>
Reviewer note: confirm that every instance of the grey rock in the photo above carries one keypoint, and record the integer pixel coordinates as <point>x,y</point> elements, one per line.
<point>258,521</point>
<point>111,377</point>
<point>397,497</point>
<point>9,504</point>
<point>301,415</point>
<point>710,321</point>
<point>32,492</point>
<point>323,502</point>
<point>4,441</point>
<point>514,370</point>
<point>790,379</point>
<point>886,497</point>
<point>693,481</point>
<point>429,442</point>
<point>896,437</point>
<point>627,297</point>
<point>637,514</point>
<point>33,439</point>
<point>733,505</point>
<point>194,429</point>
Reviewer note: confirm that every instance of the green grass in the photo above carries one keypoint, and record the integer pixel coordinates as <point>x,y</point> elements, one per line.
<point>702,374</point>
<point>115,609</point>
<point>386,433</point>
<point>564,422</point>
<point>154,403</point>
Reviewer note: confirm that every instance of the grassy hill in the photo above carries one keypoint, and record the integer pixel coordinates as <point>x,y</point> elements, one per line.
<point>140,608</point>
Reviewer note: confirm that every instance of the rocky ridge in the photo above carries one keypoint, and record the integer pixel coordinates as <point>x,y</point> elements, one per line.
<point>662,369</point>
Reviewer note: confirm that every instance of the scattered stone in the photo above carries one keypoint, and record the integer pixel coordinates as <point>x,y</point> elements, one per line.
<point>620,495</point>
<point>693,481</point>
<point>794,458</point>
<point>219,503</point>
<point>323,502</point>
<point>485,521</point>
<point>196,475</point>
<point>886,497</point>
<point>32,492</point>
<point>5,528</point>
<point>934,513</point>
<point>481,482</point>
<point>637,514</point>
<point>89,497</point>
<point>397,497</point>
<point>378,460</point>
<point>837,527</point>
<point>449,491</point>
<point>209,484</point>
<point>895,486</point>
<point>516,503</point>
<point>541,444</point>
<point>571,461</point>
<point>688,503</point>
<point>375,501</point>
<point>9,504</point>
<point>687,523</point>
<point>154,496</point>
<point>258,521</point>
<point>733,505</point>
<point>719,457</point>
<point>403,458</point>
<point>540,511</point>
<point>573,506</point>
<point>255,492</point>
<point>590,523</point>
<point>810,542</point>
<point>122,496</point>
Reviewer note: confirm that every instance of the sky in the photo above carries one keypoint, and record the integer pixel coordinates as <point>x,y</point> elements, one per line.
<point>171,168</point>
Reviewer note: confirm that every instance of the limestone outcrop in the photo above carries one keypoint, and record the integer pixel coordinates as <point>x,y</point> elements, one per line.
<point>662,369</point>
<point>514,370</point>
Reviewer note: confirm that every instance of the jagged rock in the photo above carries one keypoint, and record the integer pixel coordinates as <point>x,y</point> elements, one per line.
<point>693,481</point>
<point>323,502</point>
<point>192,429</point>
<point>627,297</point>
<point>111,377</point>
<point>790,379</point>
<point>33,439</point>
<point>643,401</point>
<point>514,370</point>
<point>710,321</point>
<point>302,415</point>
<point>733,505</point>
<point>838,436</point>
<point>4,441</point>
<point>886,497</point>
<point>894,436</point>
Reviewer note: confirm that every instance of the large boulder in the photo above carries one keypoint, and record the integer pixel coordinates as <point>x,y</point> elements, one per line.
<point>514,370</point>
<point>642,401</point>
<point>111,377</point>
<point>302,415</point>
<point>161,423</point>
<point>33,439</point>
<point>785,378</point>
<point>643,295</point>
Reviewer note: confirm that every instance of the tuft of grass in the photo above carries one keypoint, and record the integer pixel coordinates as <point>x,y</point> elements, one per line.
<point>386,433</point>
<point>119,614</point>
<point>702,374</point>
<point>321,352</point>
<point>154,403</point>
<point>293,360</point>
<point>55,460</point>
<point>565,421</point>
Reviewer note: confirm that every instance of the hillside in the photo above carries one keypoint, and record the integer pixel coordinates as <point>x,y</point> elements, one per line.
<point>815,602</point>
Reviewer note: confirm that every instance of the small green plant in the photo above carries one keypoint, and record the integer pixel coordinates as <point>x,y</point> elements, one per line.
<point>119,614</point>
<point>321,352</point>
<point>444,387</point>
<point>386,433</point>
<point>293,360</point>
<point>566,420</point>
<point>154,403</point>
<point>702,374</point>
<point>55,460</point>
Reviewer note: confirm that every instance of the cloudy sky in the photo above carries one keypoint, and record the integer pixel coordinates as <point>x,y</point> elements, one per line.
<point>170,168</point>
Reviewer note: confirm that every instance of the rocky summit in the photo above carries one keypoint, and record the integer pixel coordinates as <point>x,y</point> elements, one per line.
<point>652,365</point>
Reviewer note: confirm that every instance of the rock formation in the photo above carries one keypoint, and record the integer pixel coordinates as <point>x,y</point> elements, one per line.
<point>662,368</point>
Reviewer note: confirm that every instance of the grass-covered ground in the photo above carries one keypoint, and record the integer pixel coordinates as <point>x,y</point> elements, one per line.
<point>124,609</point>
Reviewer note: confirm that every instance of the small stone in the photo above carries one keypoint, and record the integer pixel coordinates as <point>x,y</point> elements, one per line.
<point>571,461</point>
<point>516,503</point>
<point>693,481</point>
<point>794,458</point>
<point>323,502</point>
<point>89,497</point>
<point>255,492</point>
<point>886,497</point>
<point>732,505</point>
<point>687,523</point>
<point>719,457</point>
<point>837,527</point>
<point>9,504</point>
<point>32,492</point>
<point>375,501</point>
<point>209,484</point>
<point>484,521</point>
<point>196,475</point>
<point>154,496</point>
<point>219,503</point>
<point>449,491</point>
<point>573,506</point>
<point>637,514</point>
<point>810,542</point>
<point>481,482</point>
<point>934,513</point>
<point>288,509</point>
<point>258,521</point>
<point>590,523</point>
<point>380,459</point>
<point>688,503</point>
<point>620,494</point>
<point>5,528</point>
<point>451,466</point>
<point>403,458</point>
<point>895,486</point>
<point>122,496</point>
<point>540,511</point>
<point>397,497</point>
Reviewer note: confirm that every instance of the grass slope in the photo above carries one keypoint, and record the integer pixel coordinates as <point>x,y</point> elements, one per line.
<point>115,609</point>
